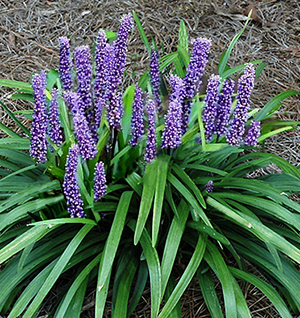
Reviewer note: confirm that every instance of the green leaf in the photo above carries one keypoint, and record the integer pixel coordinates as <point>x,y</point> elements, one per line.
<point>173,240</point>
<point>64,221</point>
<point>176,312</point>
<point>16,84</point>
<point>185,278</point>
<point>263,113</point>
<point>274,132</point>
<point>217,263</point>
<point>23,96</point>
<point>32,167</point>
<point>183,38</point>
<point>266,288</point>
<point>225,57</point>
<point>101,295</point>
<point>57,270</point>
<point>149,185</point>
<point>111,36</point>
<point>209,294</point>
<point>52,77</point>
<point>128,98</point>
<point>161,178</point>
<point>153,267</point>
<point>9,132</point>
<point>14,118</point>
<point>114,237</point>
<point>142,32</point>
<point>242,66</point>
<point>135,181</point>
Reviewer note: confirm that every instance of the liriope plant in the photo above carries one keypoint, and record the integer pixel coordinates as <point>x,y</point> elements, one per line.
<point>112,187</point>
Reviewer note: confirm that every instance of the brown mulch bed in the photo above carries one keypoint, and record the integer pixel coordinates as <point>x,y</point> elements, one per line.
<point>29,32</point>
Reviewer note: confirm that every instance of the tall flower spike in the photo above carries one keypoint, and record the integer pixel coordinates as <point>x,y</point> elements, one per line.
<point>155,78</point>
<point>65,64</point>
<point>245,86</point>
<point>224,109</point>
<point>253,134</point>
<point>70,184</point>
<point>151,151</point>
<point>100,81</point>
<point>172,133</point>
<point>137,122</point>
<point>55,132</point>
<point>210,109</point>
<point>38,142</point>
<point>71,99</point>
<point>120,45</point>
<point>84,74</point>
<point>110,76</point>
<point>193,78</point>
<point>114,111</point>
<point>99,106</point>
<point>99,181</point>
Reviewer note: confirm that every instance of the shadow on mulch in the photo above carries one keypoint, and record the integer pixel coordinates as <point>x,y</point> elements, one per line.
<point>29,32</point>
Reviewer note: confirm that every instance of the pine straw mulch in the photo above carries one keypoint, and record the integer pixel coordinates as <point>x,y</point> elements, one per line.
<point>29,32</point>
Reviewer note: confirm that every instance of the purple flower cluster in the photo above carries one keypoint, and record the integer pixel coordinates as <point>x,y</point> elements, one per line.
<point>155,78</point>
<point>72,99</point>
<point>172,133</point>
<point>100,80</point>
<point>210,109</point>
<point>99,181</point>
<point>55,133</point>
<point>245,86</point>
<point>137,122</point>
<point>38,142</point>
<point>65,64</point>
<point>253,134</point>
<point>209,187</point>
<point>224,109</point>
<point>99,106</point>
<point>84,74</point>
<point>151,151</point>
<point>193,78</point>
<point>87,145</point>
<point>115,111</point>
<point>70,184</point>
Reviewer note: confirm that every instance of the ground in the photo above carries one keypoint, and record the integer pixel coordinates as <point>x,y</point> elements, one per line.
<point>29,32</point>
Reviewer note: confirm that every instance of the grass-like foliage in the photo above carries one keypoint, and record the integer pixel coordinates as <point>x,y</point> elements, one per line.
<point>112,189</point>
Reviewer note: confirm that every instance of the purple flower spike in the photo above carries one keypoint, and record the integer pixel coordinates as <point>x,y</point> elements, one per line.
<point>253,134</point>
<point>245,86</point>
<point>72,99</point>
<point>99,181</point>
<point>151,151</point>
<point>38,143</point>
<point>155,78</point>
<point>87,145</point>
<point>193,78</point>
<point>209,187</point>
<point>114,111</point>
<point>70,184</point>
<point>172,133</point>
<point>84,74</point>
<point>137,122</point>
<point>112,80</point>
<point>120,46</point>
<point>65,64</point>
<point>99,106</point>
<point>55,132</point>
<point>224,108</point>
<point>100,81</point>
<point>210,109</point>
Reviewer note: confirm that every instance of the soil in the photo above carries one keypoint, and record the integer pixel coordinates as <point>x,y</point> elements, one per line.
<point>29,32</point>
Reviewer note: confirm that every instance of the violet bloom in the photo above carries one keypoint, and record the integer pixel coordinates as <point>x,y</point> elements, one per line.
<point>245,86</point>
<point>172,133</point>
<point>87,145</point>
<point>151,151</point>
<point>38,142</point>
<point>55,132</point>
<point>253,134</point>
<point>137,122</point>
<point>84,74</point>
<point>120,46</point>
<point>211,100</point>
<point>72,99</point>
<point>99,181</point>
<point>65,64</point>
<point>70,184</point>
<point>193,78</point>
<point>112,80</point>
<point>155,78</point>
<point>114,111</point>
<point>209,187</point>
<point>99,106</point>
<point>100,81</point>
<point>224,109</point>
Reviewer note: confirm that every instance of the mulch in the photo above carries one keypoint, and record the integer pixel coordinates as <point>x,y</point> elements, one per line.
<point>29,32</point>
